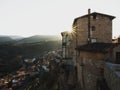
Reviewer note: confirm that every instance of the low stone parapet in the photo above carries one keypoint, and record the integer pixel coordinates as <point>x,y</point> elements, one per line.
<point>112,75</point>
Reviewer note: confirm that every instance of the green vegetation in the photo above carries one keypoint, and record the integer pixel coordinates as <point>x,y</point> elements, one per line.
<point>13,54</point>
<point>38,49</point>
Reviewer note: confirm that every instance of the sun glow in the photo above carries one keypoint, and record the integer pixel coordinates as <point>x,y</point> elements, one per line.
<point>70,30</point>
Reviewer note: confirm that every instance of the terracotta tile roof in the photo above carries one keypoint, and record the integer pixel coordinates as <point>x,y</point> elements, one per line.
<point>97,47</point>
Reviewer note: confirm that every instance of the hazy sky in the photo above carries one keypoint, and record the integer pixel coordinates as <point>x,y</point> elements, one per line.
<point>34,17</point>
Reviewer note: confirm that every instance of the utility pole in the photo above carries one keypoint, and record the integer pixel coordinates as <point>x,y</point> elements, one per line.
<point>76,42</point>
<point>89,37</point>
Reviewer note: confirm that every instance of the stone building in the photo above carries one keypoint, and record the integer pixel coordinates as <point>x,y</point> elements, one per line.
<point>67,78</point>
<point>93,27</point>
<point>66,44</point>
<point>93,43</point>
<point>91,47</point>
<point>90,65</point>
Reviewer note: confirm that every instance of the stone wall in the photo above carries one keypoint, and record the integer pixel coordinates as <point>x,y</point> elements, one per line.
<point>112,75</point>
<point>89,69</point>
<point>102,31</point>
<point>67,77</point>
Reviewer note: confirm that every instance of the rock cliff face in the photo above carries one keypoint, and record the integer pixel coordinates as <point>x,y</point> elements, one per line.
<point>67,78</point>
<point>61,77</point>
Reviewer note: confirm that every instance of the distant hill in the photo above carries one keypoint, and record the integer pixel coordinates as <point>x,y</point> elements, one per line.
<point>13,51</point>
<point>38,38</point>
<point>10,38</point>
<point>31,39</point>
<point>5,39</point>
<point>15,37</point>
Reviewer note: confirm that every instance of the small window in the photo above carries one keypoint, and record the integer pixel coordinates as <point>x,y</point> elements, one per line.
<point>93,28</point>
<point>118,57</point>
<point>64,44</point>
<point>93,40</point>
<point>94,16</point>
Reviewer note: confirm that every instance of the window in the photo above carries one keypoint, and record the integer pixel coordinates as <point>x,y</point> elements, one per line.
<point>64,43</point>
<point>92,28</point>
<point>118,57</point>
<point>93,40</point>
<point>94,16</point>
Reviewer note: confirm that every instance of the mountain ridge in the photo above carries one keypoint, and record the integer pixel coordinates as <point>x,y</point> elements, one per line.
<point>30,39</point>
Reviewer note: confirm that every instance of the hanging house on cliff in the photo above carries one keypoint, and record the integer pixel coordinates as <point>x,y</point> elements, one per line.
<point>92,48</point>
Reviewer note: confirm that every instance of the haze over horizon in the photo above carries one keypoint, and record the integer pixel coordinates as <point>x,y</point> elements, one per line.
<point>43,17</point>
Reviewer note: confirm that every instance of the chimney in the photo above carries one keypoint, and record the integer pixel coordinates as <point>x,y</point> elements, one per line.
<point>89,11</point>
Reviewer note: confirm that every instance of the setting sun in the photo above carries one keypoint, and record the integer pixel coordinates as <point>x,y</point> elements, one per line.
<point>69,30</point>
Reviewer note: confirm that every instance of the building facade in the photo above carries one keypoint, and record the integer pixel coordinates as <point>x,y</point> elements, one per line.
<point>91,64</point>
<point>91,46</point>
<point>66,44</point>
<point>93,27</point>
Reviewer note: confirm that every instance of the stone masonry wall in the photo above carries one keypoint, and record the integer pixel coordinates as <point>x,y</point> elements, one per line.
<point>90,71</point>
<point>102,32</point>
<point>103,29</point>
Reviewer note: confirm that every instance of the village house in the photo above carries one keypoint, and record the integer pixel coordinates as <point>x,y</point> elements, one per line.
<point>92,49</point>
<point>67,49</point>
